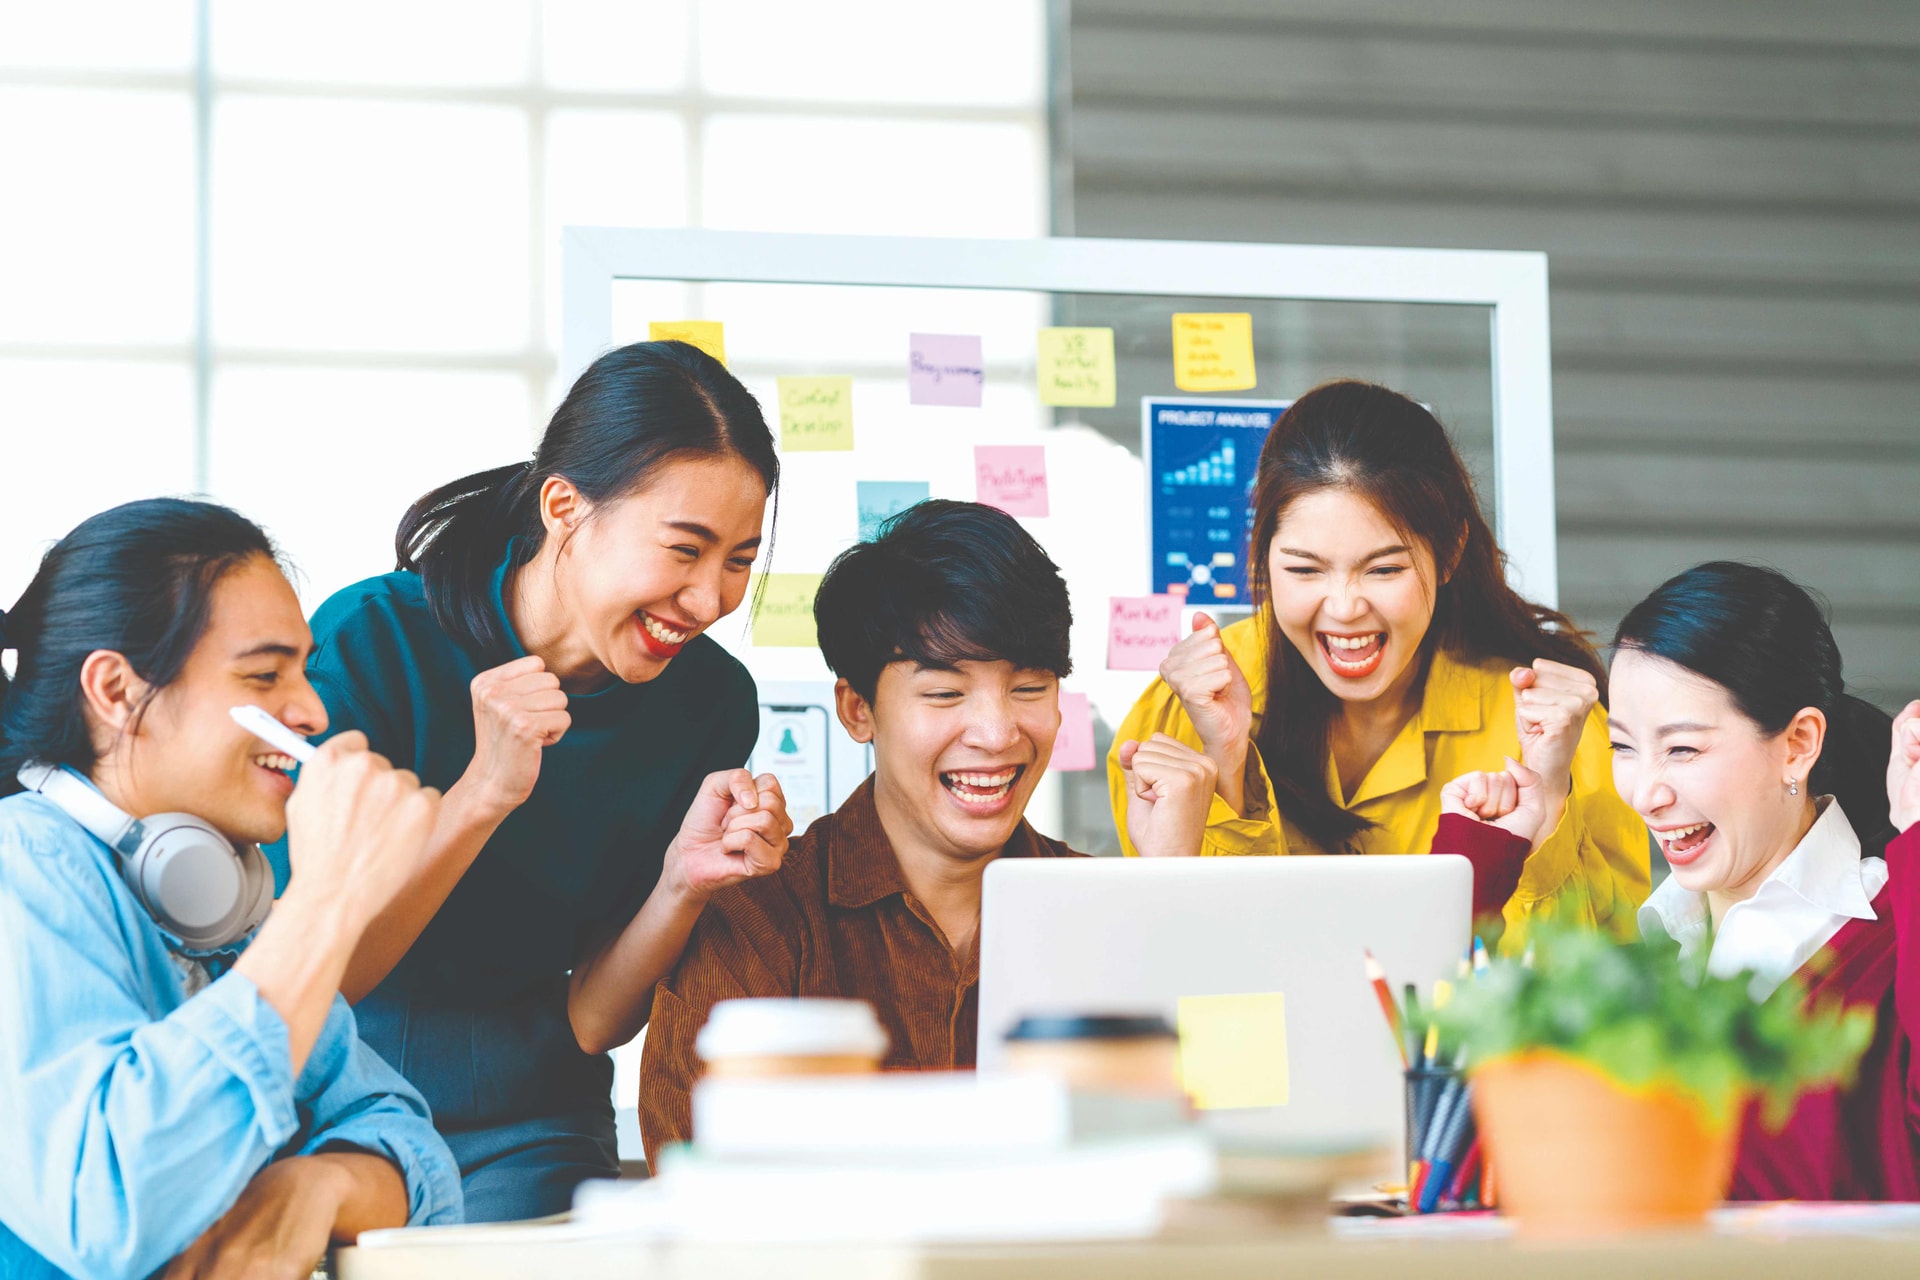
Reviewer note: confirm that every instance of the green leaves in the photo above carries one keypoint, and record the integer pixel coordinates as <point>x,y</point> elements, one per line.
<point>1639,1014</point>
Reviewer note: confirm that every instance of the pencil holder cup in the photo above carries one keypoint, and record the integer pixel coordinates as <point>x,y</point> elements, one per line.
<point>1441,1152</point>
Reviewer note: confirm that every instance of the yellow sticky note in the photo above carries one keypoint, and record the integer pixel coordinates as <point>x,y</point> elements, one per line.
<point>708,335</point>
<point>784,615</point>
<point>1213,351</point>
<point>1076,367</point>
<point>816,413</point>
<point>1233,1050</point>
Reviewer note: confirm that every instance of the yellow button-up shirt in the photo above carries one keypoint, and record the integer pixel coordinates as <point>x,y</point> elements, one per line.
<point>1592,869</point>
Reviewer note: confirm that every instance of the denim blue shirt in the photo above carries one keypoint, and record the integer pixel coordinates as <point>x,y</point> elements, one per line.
<point>133,1113</point>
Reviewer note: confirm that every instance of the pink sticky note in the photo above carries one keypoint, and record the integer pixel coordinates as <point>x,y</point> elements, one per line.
<point>1073,749</point>
<point>1012,477</point>
<point>945,368</point>
<point>1140,630</point>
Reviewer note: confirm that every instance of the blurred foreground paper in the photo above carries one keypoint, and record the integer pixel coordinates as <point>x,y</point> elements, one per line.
<point>1233,1050</point>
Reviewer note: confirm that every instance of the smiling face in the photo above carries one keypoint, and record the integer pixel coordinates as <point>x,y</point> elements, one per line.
<point>1353,594</point>
<point>185,754</point>
<point>957,753</point>
<point>1708,781</point>
<point>641,576</point>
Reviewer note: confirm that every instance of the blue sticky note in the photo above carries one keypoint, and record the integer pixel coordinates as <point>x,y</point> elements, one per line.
<point>880,499</point>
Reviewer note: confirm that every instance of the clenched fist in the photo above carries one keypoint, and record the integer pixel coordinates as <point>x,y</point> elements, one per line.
<point>1903,769</point>
<point>736,829</point>
<point>356,827</point>
<point>1513,800</point>
<point>519,710</point>
<point>1551,704</point>
<point>1169,792</point>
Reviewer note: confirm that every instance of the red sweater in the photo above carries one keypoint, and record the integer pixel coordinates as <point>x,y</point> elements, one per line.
<point>1859,1143</point>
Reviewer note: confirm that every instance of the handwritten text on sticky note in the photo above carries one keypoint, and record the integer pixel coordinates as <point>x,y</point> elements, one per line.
<point>1140,630</point>
<point>784,617</point>
<point>945,368</point>
<point>879,500</point>
<point>1073,747</point>
<point>1076,367</point>
<point>1213,351</point>
<point>1233,1050</point>
<point>816,413</point>
<point>1012,477</point>
<point>708,335</point>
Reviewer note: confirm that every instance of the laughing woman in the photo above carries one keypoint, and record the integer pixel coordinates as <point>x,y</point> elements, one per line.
<point>1387,655</point>
<point>1778,805</point>
<point>540,657</point>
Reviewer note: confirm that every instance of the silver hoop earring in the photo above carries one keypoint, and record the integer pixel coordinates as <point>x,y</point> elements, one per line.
<point>1793,786</point>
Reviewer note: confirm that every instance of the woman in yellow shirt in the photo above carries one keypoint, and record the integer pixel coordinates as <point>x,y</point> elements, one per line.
<point>1387,655</point>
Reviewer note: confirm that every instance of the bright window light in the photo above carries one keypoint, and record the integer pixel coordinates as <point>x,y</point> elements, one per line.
<point>615,46</point>
<point>370,226</point>
<point>100,35</point>
<point>418,42</point>
<point>96,226</point>
<point>611,169</point>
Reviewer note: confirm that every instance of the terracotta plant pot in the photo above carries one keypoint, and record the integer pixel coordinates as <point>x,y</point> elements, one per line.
<point>1578,1154</point>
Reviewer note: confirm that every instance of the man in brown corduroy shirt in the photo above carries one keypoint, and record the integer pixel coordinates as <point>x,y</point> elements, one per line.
<point>949,637</point>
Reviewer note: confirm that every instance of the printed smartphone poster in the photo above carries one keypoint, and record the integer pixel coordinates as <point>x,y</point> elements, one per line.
<point>1201,459</point>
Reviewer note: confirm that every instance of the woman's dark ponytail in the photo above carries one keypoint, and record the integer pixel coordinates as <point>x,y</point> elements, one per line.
<point>137,580</point>
<point>634,409</point>
<point>1764,639</point>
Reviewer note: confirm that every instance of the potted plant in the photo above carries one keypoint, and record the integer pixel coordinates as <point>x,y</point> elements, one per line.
<point>1610,1080</point>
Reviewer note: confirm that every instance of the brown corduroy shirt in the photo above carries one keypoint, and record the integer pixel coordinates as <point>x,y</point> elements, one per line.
<point>835,920</point>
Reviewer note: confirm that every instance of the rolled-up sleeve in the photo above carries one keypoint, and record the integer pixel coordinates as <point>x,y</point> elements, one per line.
<point>355,1100</point>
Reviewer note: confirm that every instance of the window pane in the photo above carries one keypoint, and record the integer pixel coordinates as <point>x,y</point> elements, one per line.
<point>465,42</point>
<point>82,436</point>
<point>986,52</point>
<point>903,177</point>
<point>107,35</point>
<point>369,226</point>
<point>611,169</point>
<point>96,228</point>
<point>631,46</point>
<point>328,459</point>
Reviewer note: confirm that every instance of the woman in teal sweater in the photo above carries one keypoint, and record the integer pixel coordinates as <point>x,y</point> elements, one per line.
<point>540,657</point>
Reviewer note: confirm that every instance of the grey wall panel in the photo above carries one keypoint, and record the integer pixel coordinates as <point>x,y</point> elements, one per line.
<point>1729,195</point>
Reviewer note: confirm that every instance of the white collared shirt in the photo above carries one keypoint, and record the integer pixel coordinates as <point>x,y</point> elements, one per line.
<point>1821,885</point>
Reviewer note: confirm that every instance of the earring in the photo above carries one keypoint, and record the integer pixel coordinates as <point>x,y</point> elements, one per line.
<point>1793,786</point>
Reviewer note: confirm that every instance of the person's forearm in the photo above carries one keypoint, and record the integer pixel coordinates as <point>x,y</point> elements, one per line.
<point>297,961</point>
<point>1231,783</point>
<point>611,991</point>
<point>465,824</point>
<point>372,1194</point>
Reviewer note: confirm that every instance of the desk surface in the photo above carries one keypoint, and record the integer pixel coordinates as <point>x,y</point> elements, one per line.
<point>1306,1252</point>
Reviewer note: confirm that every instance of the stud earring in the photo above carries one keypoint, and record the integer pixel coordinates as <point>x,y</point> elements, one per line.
<point>1793,786</point>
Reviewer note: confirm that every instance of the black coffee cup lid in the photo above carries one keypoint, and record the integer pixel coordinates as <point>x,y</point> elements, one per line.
<point>1091,1026</point>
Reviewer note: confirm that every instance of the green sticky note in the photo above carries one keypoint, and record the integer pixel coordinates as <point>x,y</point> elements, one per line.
<point>784,617</point>
<point>1233,1050</point>
<point>816,413</point>
<point>1213,351</point>
<point>708,335</point>
<point>1076,367</point>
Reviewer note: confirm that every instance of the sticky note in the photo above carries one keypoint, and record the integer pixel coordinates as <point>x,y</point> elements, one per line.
<point>945,368</point>
<point>708,335</point>
<point>1076,367</point>
<point>784,616</point>
<point>881,499</point>
<point>1213,351</point>
<point>1073,748</point>
<point>816,413</point>
<point>1140,630</point>
<point>1012,477</point>
<point>1233,1050</point>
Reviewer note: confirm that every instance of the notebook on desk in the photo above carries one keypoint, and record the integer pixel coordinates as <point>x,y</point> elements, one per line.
<point>1137,935</point>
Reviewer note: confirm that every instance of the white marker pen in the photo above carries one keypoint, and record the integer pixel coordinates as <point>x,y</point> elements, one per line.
<point>257,722</point>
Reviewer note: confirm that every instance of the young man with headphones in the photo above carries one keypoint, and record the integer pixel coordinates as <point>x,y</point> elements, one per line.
<point>182,1089</point>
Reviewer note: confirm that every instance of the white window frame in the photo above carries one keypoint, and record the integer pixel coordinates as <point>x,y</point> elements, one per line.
<point>1512,284</point>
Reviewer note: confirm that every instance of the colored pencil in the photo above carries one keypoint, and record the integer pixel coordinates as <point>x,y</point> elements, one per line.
<point>1378,977</point>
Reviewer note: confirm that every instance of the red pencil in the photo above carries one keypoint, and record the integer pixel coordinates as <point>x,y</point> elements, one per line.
<point>1469,1171</point>
<point>1378,977</point>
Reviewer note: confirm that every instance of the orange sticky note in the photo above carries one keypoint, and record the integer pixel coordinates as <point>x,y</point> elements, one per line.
<point>1213,351</point>
<point>708,335</point>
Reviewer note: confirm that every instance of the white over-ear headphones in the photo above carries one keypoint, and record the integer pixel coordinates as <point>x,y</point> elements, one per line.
<point>199,886</point>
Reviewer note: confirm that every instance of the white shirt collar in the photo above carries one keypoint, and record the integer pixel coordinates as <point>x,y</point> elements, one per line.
<point>1821,885</point>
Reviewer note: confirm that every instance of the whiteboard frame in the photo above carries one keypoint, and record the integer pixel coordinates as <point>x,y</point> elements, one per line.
<point>1512,284</point>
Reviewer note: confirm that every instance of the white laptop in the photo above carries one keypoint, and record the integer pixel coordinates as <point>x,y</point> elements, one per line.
<point>1127,935</point>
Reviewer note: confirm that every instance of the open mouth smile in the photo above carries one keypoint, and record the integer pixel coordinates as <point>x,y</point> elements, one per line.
<point>985,790</point>
<point>1684,845</point>
<point>279,767</point>
<point>1353,657</point>
<point>660,639</point>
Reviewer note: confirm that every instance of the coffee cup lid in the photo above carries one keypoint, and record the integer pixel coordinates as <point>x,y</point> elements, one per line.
<point>1090,1026</point>
<point>791,1028</point>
